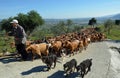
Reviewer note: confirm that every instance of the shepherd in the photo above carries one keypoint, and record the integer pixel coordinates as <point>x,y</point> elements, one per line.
<point>19,37</point>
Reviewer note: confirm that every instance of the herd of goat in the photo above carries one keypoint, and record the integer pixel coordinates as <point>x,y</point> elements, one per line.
<point>69,44</point>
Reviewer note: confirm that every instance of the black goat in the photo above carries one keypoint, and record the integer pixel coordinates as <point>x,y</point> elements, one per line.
<point>86,64</point>
<point>69,67</point>
<point>49,60</point>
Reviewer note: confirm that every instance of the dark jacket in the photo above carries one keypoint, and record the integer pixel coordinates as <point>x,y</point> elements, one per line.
<point>19,34</point>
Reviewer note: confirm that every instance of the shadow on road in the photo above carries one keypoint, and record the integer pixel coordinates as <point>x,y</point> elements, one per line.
<point>35,69</point>
<point>14,58</point>
<point>115,41</point>
<point>8,59</point>
<point>60,74</point>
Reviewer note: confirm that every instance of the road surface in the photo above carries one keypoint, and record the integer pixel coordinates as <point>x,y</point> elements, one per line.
<point>105,64</point>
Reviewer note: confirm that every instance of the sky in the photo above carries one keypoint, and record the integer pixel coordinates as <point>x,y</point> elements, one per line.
<point>59,9</point>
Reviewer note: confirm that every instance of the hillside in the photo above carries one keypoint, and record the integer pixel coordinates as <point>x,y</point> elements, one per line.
<point>115,33</point>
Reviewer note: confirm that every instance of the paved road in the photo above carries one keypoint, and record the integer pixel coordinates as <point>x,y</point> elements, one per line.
<point>101,68</point>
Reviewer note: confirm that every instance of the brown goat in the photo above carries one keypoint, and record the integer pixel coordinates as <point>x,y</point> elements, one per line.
<point>72,46</point>
<point>38,49</point>
<point>56,47</point>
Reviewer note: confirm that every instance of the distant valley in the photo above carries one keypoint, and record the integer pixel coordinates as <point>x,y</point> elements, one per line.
<point>85,20</point>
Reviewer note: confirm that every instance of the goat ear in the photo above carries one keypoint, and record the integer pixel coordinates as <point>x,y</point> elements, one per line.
<point>91,59</point>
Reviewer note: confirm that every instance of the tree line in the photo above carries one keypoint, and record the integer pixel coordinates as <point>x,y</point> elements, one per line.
<point>108,24</point>
<point>29,21</point>
<point>32,22</point>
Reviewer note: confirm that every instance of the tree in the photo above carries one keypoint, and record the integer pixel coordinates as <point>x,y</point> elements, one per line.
<point>108,25</point>
<point>92,22</point>
<point>117,22</point>
<point>69,23</point>
<point>34,20</point>
<point>61,23</point>
<point>59,29</point>
<point>40,33</point>
<point>5,24</point>
<point>98,29</point>
<point>77,28</point>
<point>29,21</point>
<point>23,20</point>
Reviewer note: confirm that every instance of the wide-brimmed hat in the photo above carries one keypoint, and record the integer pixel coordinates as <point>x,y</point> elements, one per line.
<point>14,21</point>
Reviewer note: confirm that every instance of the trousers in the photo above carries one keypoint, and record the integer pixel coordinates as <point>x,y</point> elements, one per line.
<point>21,50</point>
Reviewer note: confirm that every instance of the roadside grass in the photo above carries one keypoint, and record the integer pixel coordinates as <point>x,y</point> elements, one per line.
<point>114,32</point>
<point>5,44</point>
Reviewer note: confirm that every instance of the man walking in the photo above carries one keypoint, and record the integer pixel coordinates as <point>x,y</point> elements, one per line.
<point>19,37</point>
